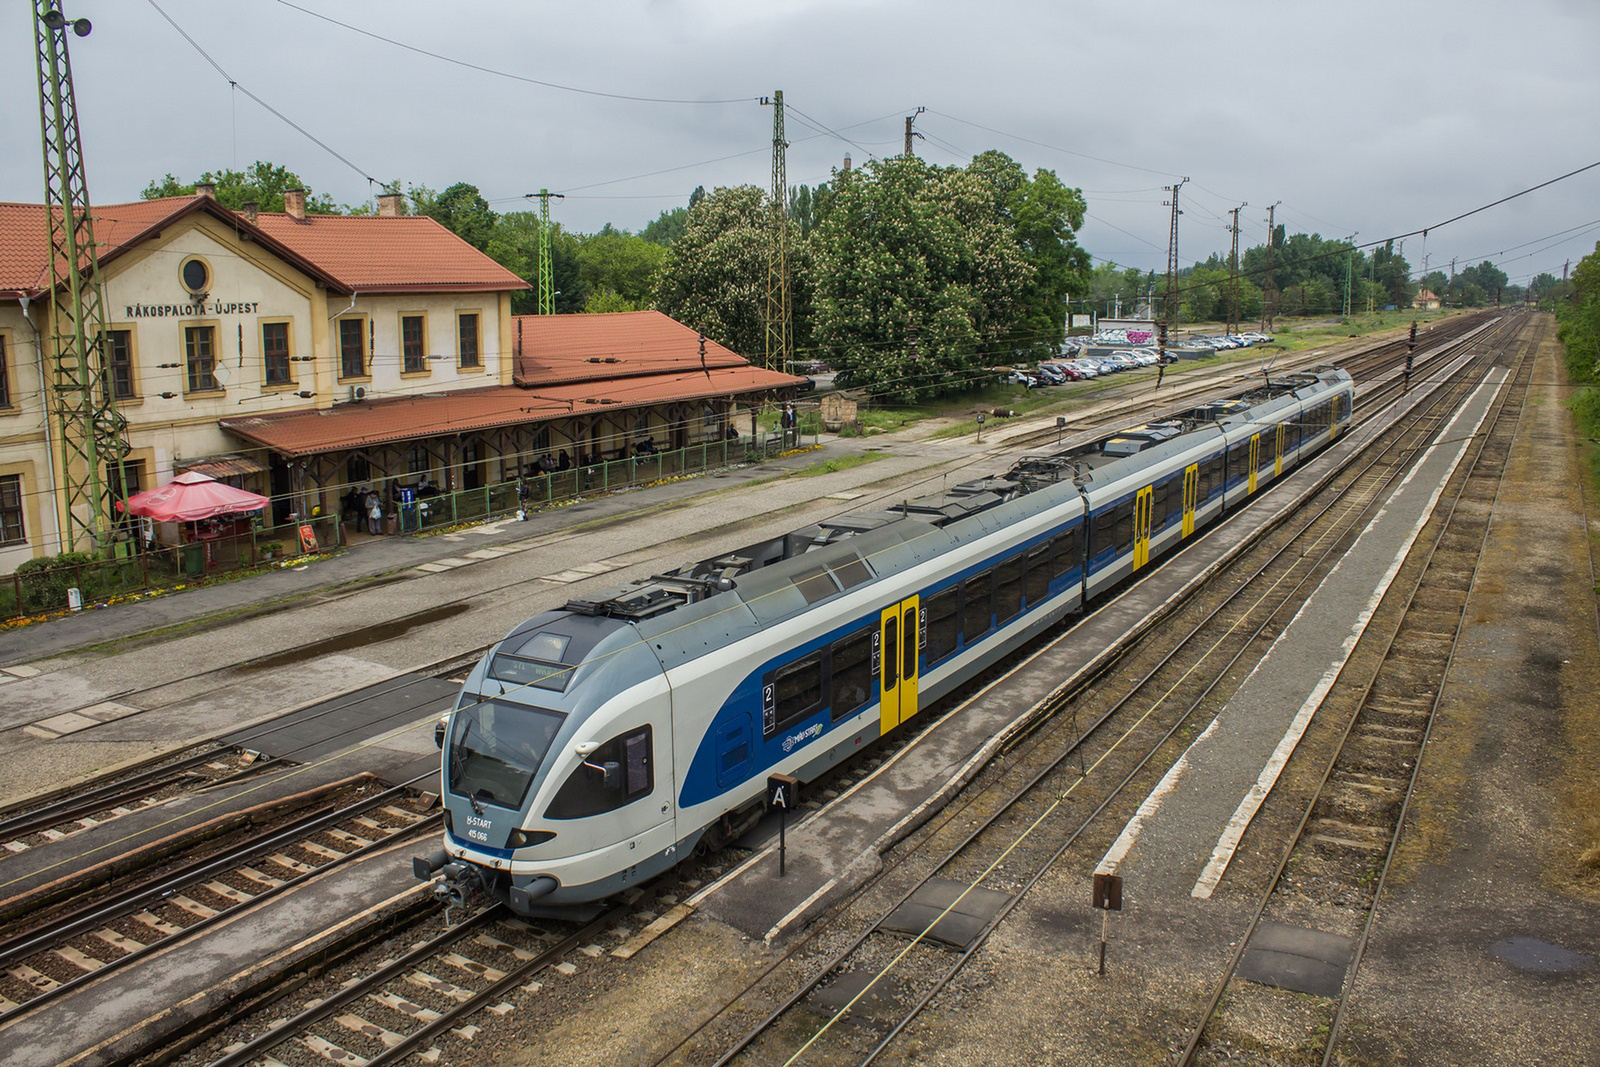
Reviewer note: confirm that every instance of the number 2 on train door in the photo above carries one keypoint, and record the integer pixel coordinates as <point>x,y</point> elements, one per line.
<point>899,631</point>
<point>1141,526</point>
<point>1191,493</point>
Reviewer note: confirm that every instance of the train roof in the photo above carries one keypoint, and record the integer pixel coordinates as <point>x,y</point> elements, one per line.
<point>684,611</point>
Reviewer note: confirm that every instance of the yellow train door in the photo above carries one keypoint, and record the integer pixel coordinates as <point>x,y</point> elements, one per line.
<point>1141,526</point>
<point>1255,460</point>
<point>899,638</point>
<point>1277,463</point>
<point>1191,493</point>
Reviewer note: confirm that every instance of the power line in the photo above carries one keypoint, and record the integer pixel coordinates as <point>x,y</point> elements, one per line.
<point>232,83</point>
<point>507,74</point>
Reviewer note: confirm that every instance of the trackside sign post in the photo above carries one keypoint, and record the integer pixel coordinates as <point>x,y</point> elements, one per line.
<point>1108,898</point>
<point>783,793</point>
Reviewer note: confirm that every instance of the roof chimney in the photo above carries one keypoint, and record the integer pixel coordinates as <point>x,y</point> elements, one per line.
<point>294,202</point>
<point>389,204</point>
<point>847,163</point>
<point>249,211</point>
<point>206,189</point>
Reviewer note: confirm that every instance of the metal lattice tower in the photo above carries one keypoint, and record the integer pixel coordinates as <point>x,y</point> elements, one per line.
<point>780,332</point>
<point>80,401</point>
<point>547,281</point>
<point>1233,272</point>
<point>1269,299</point>
<point>1169,303</point>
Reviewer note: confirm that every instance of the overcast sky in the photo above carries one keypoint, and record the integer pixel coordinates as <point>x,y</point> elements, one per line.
<point>1377,117</point>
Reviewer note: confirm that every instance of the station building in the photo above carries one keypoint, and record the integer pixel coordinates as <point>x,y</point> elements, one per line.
<point>301,356</point>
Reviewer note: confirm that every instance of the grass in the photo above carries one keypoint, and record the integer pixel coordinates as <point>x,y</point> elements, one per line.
<point>833,466</point>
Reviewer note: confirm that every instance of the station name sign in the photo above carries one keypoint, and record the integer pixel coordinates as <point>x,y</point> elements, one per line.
<point>189,311</point>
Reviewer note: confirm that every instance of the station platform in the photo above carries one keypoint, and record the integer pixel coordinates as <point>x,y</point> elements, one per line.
<point>839,846</point>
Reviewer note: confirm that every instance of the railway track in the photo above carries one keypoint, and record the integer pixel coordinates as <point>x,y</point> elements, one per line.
<point>920,923</point>
<point>147,914</point>
<point>1332,874</point>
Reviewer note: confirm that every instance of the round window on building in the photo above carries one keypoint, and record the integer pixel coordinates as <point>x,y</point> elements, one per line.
<point>196,275</point>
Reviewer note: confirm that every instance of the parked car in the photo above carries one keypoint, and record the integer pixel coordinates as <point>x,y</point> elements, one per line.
<point>1123,360</point>
<point>1067,370</point>
<point>1048,375</point>
<point>1019,378</point>
<point>1089,368</point>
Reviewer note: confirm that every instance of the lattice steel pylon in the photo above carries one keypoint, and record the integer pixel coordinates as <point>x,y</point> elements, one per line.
<point>1169,308</point>
<point>80,401</point>
<point>547,281</point>
<point>780,331</point>
<point>1233,271</point>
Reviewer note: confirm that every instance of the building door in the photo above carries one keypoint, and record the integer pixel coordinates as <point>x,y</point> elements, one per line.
<point>278,481</point>
<point>1255,460</point>
<point>471,468</point>
<point>899,638</point>
<point>1141,526</point>
<point>1191,492</point>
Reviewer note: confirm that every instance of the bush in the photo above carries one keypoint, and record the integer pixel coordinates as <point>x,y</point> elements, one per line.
<point>45,580</point>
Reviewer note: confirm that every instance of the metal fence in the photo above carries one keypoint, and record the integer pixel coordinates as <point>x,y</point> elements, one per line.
<point>136,570</point>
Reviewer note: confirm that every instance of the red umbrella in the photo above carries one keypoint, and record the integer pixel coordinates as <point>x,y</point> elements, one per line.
<point>190,497</point>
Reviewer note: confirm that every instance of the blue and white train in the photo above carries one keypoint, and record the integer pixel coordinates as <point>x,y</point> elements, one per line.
<point>598,745</point>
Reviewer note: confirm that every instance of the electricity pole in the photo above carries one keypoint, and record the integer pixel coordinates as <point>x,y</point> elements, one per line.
<point>779,331</point>
<point>79,398</point>
<point>1233,272</point>
<point>1349,267</point>
<point>1269,301</point>
<point>1172,253</point>
<point>547,282</point>
<point>910,133</point>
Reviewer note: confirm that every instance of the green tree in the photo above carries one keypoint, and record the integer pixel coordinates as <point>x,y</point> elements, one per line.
<point>265,183</point>
<point>607,300</point>
<point>621,264</point>
<point>714,277</point>
<point>666,227</point>
<point>464,211</point>
<point>918,278</point>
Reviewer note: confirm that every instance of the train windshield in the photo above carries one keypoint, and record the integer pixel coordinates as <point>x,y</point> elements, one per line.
<point>496,748</point>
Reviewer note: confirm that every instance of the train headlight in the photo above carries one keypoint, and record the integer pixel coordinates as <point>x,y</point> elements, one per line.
<point>524,838</point>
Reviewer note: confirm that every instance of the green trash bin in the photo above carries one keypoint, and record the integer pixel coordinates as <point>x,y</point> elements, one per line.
<point>194,558</point>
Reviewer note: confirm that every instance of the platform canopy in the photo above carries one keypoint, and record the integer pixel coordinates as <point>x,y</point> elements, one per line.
<point>190,497</point>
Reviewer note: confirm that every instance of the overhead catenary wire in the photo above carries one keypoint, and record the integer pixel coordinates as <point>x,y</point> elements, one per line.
<point>234,84</point>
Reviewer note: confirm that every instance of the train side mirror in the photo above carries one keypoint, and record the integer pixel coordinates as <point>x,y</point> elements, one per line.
<point>438,734</point>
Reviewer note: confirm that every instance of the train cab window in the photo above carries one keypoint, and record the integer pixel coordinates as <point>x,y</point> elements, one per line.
<point>1068,552</point>
<point>977,611</point>
<point>850,681</point>
<point>1008,588</point>
<point>791,692</point>
<point>612,776</point>
<point>944,624</point>
<point>1037,583</point>
<point>496,747</point>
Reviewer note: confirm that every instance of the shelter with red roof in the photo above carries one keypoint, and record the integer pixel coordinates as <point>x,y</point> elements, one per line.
<point>301,355</point>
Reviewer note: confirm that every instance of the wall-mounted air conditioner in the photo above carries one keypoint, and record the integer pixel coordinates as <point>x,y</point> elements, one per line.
<point>358,392</point>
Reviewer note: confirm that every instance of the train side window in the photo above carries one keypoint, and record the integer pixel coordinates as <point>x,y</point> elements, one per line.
<point>1008,588</point>
<point>1122,535</point>
<point>1068,552</point>
<point>791,692</point>
<point>977,612</point>
<point>850,683</point>
<point>944,624</point>
<point>1238,461</point>
<point>1215,467</point>
<point>1269,447</point>
<point>612,776</point>
<point>1160,501</point>
<point>1037,585</point>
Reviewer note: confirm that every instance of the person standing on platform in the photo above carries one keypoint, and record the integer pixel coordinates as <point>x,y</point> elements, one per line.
<point>374,514</point>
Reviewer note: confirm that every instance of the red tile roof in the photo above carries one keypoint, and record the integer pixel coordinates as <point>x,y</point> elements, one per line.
<point>573,348</point>
<point>367,254</point>
<point>376,422</point>
<point>390,254</point>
